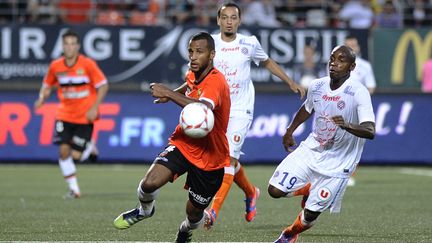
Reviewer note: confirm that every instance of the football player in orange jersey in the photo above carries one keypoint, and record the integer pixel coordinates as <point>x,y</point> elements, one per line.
<point>81,88</point>
<point>203,159</point>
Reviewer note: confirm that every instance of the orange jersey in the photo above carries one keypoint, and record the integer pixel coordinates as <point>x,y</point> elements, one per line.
<point>210,152</point>
<point>77,87</point>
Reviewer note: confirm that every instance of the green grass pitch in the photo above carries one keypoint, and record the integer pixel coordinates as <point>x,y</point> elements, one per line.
<point>388,204</point>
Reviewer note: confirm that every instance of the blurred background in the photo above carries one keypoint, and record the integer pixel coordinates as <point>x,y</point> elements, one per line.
<point>139,42</point>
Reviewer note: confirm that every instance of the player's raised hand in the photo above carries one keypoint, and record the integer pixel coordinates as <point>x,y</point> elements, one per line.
<point>159,92</point>
<point>288,142</point>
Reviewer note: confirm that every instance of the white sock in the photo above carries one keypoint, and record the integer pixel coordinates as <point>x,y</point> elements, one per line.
<point>187,225</point>
<point>86,153</point>
<point>68,170</point>
<point>147,200</point>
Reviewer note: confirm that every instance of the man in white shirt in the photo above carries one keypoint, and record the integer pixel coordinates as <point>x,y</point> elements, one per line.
<point>234,54</point>
<point>325,160</point>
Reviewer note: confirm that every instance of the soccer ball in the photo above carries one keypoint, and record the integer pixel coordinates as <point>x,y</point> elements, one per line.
<point>196,120</point>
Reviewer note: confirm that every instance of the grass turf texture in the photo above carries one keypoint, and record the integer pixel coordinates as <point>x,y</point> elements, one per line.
<point>386,205</point>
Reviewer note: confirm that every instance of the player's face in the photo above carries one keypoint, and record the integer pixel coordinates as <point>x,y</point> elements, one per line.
<point>200,57</point>
<point>229,20</point>
<point>340,64</point>
<point>70,47</point>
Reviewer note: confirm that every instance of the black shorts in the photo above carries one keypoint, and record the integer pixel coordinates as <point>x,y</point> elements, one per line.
<point>201,185</point>
<point>77,135</point>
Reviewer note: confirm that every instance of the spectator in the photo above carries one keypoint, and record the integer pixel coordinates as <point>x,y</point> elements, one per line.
<point>419,13</point>
<point>261,13</point>
<point>182,11</point>
<point>146,13</point>
<point>42,11</point>
<point>357,14</point>
<point>427,77</point>
<point>75,11</point>
<point>309,69</point>
<point>389,17</point>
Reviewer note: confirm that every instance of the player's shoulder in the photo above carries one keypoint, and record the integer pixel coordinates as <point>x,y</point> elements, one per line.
<point>57,62</point>
<point>356,86</point>
<point>318,83</point>
<point>85,59</point>
<point>247,39</point>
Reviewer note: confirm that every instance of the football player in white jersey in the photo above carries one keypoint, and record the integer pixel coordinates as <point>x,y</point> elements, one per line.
<point>234,54</point>
<point>343,120</point>
<point>363,72</point>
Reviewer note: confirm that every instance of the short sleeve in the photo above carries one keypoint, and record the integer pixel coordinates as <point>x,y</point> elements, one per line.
<point>308,103</point>
<point>364,106</point>
<point>96,75</point>
<point>213,89</point>
<point>50,78</point>
<point>258,54</point>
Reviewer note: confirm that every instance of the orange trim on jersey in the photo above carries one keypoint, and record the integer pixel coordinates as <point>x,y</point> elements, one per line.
<point>211,152</point>
<point>77,87</point>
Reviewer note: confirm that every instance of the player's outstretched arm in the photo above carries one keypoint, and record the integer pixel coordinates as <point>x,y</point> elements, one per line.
<point>275,69</point>
<point>44,93</point>
<point>362,130</point>
<point>163,93</point>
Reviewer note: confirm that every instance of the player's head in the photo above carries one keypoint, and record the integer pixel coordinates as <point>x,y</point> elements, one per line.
<point>228,18</point>
<point>71,44</point>
<point>352,42</point>
<point>341,62</point>
<point>201,52</point>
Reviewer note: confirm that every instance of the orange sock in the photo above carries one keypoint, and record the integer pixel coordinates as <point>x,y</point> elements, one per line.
<point>220,196</point>
<point>243,182</point>
<point>298,226</point>
<point>304,191</point>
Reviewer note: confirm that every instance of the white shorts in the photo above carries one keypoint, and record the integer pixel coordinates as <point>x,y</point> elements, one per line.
<point>293,173</point>
<point>238,128</point>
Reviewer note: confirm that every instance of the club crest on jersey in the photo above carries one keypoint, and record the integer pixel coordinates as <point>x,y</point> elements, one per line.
<point>80,71</point>
<point>244,50</point>
<point>199,92</point>
<point>341,105</point>
<point>324,194</point>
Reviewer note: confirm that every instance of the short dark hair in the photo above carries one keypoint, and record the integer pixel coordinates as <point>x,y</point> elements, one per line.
<point>350,53</point>
<point>229,4</point>
<point>71,33</point>
<point>204,36</point>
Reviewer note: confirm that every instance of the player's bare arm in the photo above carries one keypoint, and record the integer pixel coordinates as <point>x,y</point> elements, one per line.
<point>161,91</point>
<point>92,113</point>
<point>362,130</point>
<point>275,69</point>
<point>288,139</point>
<point>181,89</point>
<point>44,93</point>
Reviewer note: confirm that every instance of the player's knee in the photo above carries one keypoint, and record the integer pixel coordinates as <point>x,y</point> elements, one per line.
<point>274,192</point>
<point>148,185</point>
<point>310,216</point>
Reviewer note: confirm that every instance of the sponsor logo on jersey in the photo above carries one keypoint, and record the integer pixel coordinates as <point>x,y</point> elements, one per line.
<point>230,49</point>
<point>348,91</point>
<point>236,138</point>
<point>243,42</point>
<point>324,194</point>
<point>318,87</point>
<point>341,105</point>
<point>331,98</point>
<point>198,198</point>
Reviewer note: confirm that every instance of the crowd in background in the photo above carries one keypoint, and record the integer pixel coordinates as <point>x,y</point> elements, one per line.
<point>361,14</point>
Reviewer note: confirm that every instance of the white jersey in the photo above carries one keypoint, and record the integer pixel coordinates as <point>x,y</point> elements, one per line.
<point>233,59</point>
<point>363,72</point>
<point>337,152</point>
